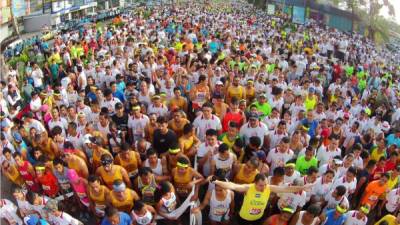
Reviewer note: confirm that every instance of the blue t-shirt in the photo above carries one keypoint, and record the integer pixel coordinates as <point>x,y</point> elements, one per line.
<point>124,219</point>
<point>392,139</point>
<point>330,218</point>
<point>312,125</point>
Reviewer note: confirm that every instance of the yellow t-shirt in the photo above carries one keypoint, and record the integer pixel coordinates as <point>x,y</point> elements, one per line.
<point>254,203</point>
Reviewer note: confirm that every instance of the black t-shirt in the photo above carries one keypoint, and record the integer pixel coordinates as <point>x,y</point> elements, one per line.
<point>163,142</point>
<point>122,122</point>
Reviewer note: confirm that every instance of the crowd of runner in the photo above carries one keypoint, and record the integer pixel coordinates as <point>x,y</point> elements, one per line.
<point>257,119</point>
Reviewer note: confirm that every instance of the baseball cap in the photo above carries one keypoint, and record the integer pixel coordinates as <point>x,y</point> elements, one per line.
<point>219,83</point>
<point>261,155</point>
<point>311,90</point>
<point>17,137</point>
<point>253,115</point>
<point>51,205</point>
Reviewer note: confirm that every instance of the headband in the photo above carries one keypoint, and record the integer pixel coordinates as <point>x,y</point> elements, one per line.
<point>174,150</point>
<point>364,209</point>
<point>287,209</point>
<point>119,187</point>
<point>40,168</point>
<point>136,107</point>
<point>340,209</point>
<point>306,128</point>
<point>182,165</point>
<point>290,165</point>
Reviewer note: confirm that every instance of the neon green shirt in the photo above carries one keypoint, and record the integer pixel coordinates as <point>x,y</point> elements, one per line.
<point>302,165</point>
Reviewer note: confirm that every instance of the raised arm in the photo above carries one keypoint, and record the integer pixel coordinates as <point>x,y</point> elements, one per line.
<point>290,189</point>
<point>232,186</point>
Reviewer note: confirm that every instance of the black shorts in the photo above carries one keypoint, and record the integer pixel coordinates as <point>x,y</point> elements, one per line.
<point>246,222</point>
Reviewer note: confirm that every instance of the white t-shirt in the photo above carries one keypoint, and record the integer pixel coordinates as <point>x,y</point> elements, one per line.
<point>202,125</point>
<point>277,158</point>
<point>204,148</point>
<point>293,200</point>
<point>138,124</point>
<point>332,202</point>
<point>8,211</point>
<point>246,131</point>
<point>320,189</point>
<point>350,186</point>
<point>352,219</point>
<point>324,155</point>
<point>393,200</point>
<point>37,76</point>
<point>288,180</point>
<point>63,219</point>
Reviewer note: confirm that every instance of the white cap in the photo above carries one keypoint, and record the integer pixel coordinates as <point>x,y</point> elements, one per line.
<point>219,83</point>
<point>385,126</point>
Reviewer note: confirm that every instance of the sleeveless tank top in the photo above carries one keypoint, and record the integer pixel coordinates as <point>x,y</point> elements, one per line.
<point>315,221</point>
<point>143,220</point>
<point>225,165</point>
<point>147,191</point>
<point>157,170</point>
<point>110,178</point>
<point>131,165</point>
<point>169,205</point>
<point>29,179</point>
<point>80,190</point>
<point>47,149</point>
<point>99,200</point>
<point>243,178</point>
<point>310,103</point>
<point>180,181</point>
<point>219,210</point>
<point>254,203</point>
<point>126,204</point>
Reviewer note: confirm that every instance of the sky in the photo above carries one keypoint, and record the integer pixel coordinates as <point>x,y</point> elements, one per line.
<point>396,4</point>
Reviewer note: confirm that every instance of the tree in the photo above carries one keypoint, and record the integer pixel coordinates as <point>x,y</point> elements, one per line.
<point>369,12</point>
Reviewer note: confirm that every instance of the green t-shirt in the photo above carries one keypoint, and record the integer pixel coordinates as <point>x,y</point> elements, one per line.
<point>302,165</point>
<point>265,109</point>
<point>349,70</point>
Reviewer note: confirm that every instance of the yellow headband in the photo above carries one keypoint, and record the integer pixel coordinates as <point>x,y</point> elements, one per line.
<point>163,95</point>
<point>306,128</point>
<point>364,209</point>
<point>182,165</point>
<point>290,165</point>
<point>174,150</point>
<point>56,94</point>
<point>136,107</point>
<point>340,209</point>
<point>40,168</point>
<point>287,209</point>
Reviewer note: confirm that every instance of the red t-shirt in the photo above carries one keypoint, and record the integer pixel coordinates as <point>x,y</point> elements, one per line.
<point>49,184</point>
<point>229,116</point>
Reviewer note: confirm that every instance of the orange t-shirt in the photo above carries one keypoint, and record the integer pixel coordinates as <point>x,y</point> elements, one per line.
<point>372,193</point>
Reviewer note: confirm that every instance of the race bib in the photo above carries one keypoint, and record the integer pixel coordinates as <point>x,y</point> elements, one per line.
<point>45,187</point>
<point>29,182</point>
<point>254,211</point>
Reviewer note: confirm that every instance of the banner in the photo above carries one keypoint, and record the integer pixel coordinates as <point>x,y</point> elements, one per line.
<point>271,9</point>
<point>18,8</point>
<point>298,15</point>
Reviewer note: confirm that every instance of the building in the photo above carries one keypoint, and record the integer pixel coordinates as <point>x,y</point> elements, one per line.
<point>302,10</point>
